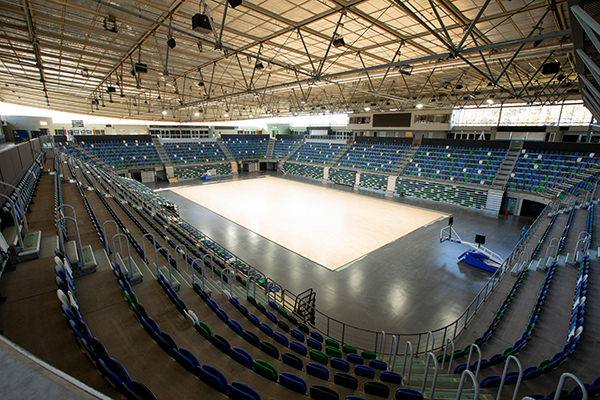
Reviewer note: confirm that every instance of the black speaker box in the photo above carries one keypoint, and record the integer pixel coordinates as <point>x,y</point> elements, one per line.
<point>201,24</point>
<point>551,68</point>
<point>141,68</point>
<point>234,3</point>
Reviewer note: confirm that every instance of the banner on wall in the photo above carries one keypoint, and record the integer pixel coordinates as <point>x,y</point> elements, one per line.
<point>77,123</point>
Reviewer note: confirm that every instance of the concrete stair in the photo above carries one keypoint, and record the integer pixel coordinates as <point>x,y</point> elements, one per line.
<point>507,166</point>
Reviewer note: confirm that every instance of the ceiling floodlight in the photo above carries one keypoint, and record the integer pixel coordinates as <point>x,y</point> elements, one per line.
<point>339,42</point>
<point>367,109</point>
<point>164,112</point>
<point>171,42</point>
<point>110,23</point>
<point>419,106</point>
<point>489,101</point>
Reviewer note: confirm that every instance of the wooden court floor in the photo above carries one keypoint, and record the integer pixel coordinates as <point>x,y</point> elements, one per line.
<point>331,228</point>
<point>412,284</point>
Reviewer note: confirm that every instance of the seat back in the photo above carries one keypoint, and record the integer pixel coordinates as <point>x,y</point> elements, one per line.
<point>292,360</point>
<point>378,364</point>
<point>266,329</point>
<point>242,357</point>
<point>317,370</point>
<point>339,364</point>
<point>315,344</point>
<point>377,389</point>
<point>364,371</point>
<point>319,392</point>
<point>251,338</point>
<point>281,339</point>
<point>355,359</point>
<point>318,356</point>
<point>283,326</point>
<point>265,369</point>
<point>240,391</point>
<point>317,336</point>
<point>292,382</point>
<point>236,327</point>
<point>390,377</point>
<point>345,380</point>
<point>299,348</point>
<point>296,334</point>
<point>333,352</point>
<point>407,394</point>
<point>211,380</point>
<point>221,343</point>
<point>269,349</point>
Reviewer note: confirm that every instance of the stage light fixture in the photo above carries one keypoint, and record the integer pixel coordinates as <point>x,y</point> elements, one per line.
<point>171,42</point>
<point>339,42</point>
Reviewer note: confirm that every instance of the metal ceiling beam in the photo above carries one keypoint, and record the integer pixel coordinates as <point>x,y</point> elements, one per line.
<point>36,47</point>
<point>472,25</point>
<point>424,24</point>
<point>172,8</point>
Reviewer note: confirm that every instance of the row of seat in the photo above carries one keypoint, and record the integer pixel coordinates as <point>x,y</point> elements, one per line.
<point>247,147</point>
<point>194,152</point>
<point>22,197</point>
<point>442,192</point>
<point>563,236</point>
<point>108,366</point>
<point>511,378</point>
<point>342,176</point>
<point>381,156</point>
<point>293,381</point>
<point>373,181</point>
<point>317,152</point>
<point>124,154</point>
<point>197,171</point>
<point>540,242</point>
<point>304,170</point>
<point>283,147</point>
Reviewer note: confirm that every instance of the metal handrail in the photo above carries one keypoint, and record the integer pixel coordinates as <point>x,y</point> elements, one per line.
<point>436,370</point>
<point>519,380</point>
<point>468,373</point>
<point>107,247</point>
<point>561,383</point>
<point>112,242</point>
<point>407,346</point>
<point>451,354</point>
<point>21,203</point>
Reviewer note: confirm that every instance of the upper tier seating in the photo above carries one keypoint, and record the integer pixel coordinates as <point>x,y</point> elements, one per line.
<point>247,148</point>
<point>315,152</point>
<point>124,153</point>
<point>477,165</point>
<point>284,146</point>
<point>194,152</point>
<point>550,171</point>
<point>373,156</point>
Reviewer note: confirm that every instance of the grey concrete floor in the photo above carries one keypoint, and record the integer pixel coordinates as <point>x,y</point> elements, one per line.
<point>411,285</point>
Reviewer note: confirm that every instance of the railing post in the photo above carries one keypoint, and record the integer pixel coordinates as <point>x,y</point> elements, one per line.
<point>468,373</point>
<point>120,235</point>
<point>104,233</point>
<point>382,345</point>
<point>430,356</point>
<point>407,346</point>
<point>561,383</point>
<point>516,390</point>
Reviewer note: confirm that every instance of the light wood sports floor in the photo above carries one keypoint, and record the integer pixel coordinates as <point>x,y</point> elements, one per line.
<point>329,227</point>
